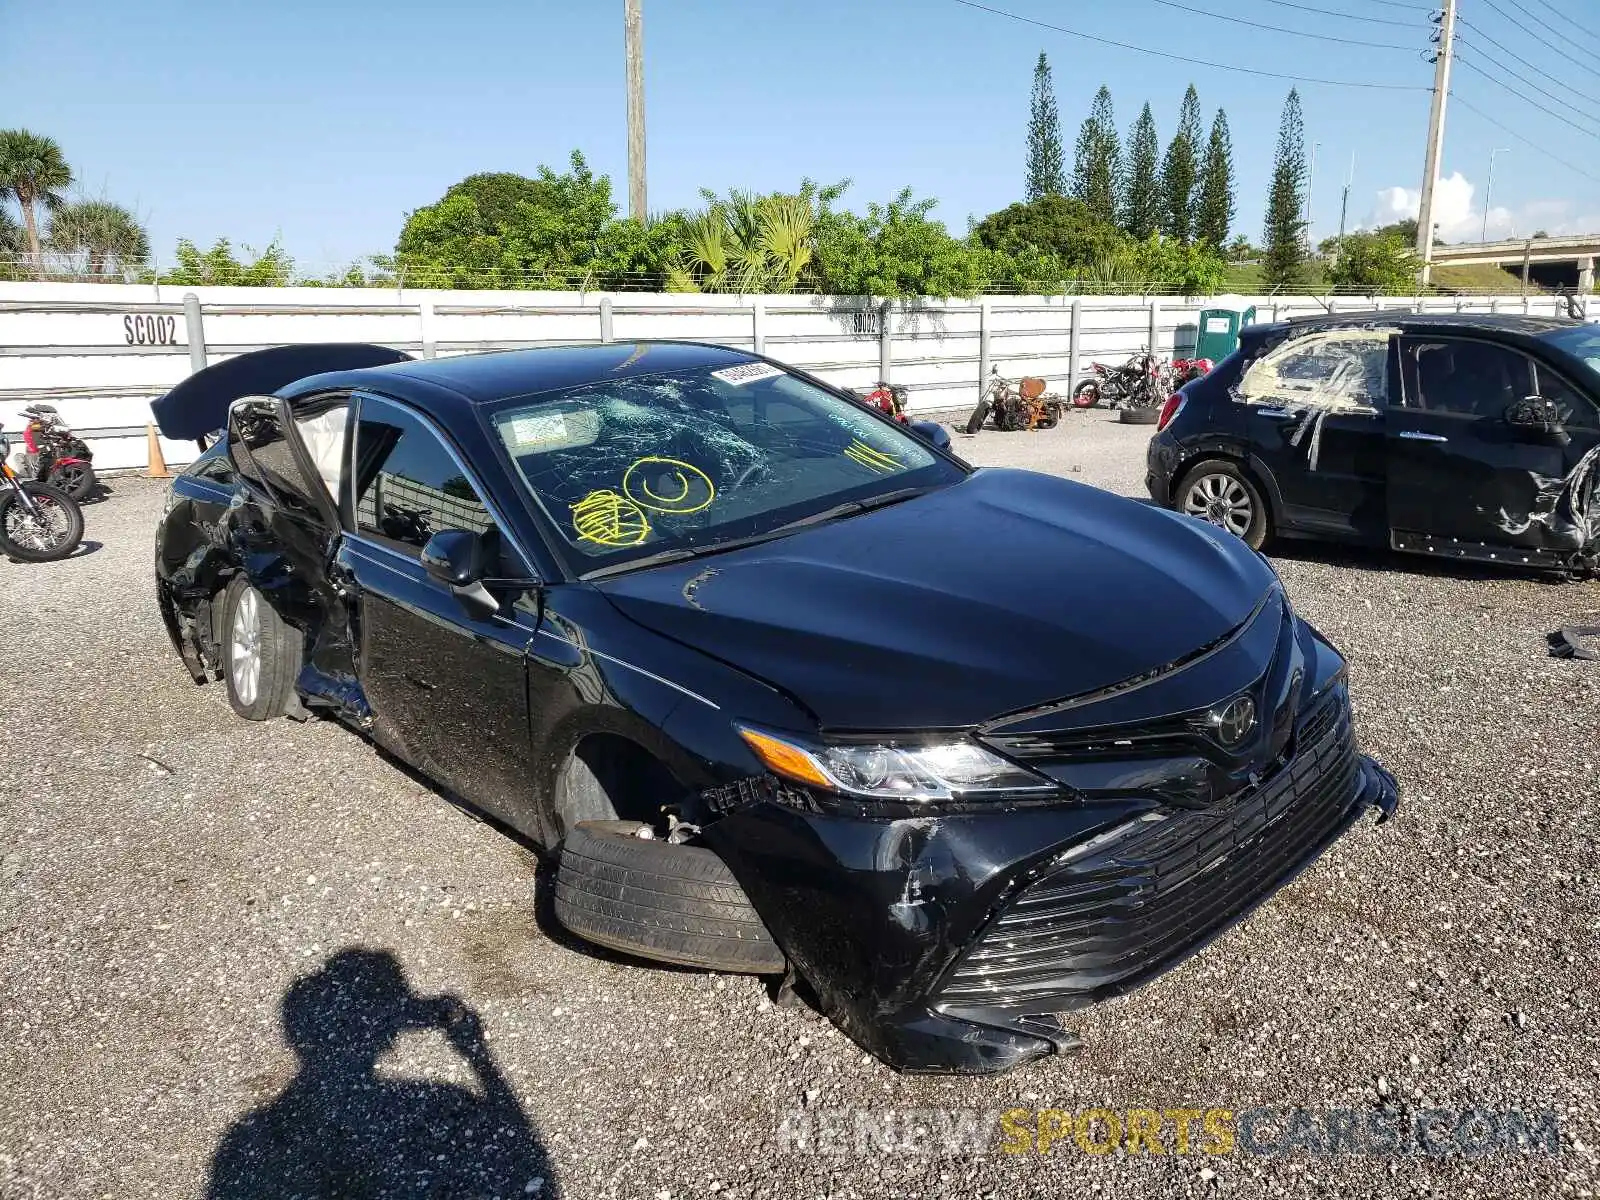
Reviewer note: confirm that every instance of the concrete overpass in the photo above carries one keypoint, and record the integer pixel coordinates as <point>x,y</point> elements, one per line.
<point>1532,258</point>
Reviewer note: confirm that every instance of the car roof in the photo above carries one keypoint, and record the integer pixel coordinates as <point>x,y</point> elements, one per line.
<point>501,375</point>
<point>1514,325</point>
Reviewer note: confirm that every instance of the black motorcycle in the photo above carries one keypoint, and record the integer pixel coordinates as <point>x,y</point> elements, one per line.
<point>53,454</point>
<point>38,522</point>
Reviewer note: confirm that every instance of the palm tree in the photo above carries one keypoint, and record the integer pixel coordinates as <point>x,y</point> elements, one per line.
<point>749,243</point>
<point>106,234</point>
<point>35,172</point>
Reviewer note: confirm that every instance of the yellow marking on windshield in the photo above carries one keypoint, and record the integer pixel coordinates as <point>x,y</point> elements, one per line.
<point>608,519</point>
<point>867,456</point>
<point>693,488</point>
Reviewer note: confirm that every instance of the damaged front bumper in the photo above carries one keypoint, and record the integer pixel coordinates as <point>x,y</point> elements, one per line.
<point>962,944</point>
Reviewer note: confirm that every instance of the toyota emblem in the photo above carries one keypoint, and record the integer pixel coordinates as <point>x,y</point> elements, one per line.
<point>1234,721</point>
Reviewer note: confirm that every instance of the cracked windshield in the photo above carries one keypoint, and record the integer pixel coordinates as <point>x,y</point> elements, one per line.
<point>691,459</point>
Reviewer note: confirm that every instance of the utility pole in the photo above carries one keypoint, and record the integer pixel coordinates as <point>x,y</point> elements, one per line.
<point>1488,192</point>
<point>1430,175</point>
<point>633,25</point>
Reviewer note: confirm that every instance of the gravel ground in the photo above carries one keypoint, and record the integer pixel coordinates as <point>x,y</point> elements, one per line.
<point>168,871</point>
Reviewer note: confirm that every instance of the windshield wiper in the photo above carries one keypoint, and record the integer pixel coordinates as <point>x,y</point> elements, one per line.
<point>680,553</point>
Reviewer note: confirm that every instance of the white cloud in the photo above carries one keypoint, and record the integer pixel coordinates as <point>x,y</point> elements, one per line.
<point>1459,214</point>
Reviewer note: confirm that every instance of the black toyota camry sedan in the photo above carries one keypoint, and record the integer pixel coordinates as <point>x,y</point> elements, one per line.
<point>1472,437</point>
<point>782,686</point>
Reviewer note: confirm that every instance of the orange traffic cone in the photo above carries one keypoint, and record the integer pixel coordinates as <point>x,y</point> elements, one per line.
<point>158,463</point>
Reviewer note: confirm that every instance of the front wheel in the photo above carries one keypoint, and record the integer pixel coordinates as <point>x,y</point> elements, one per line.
<point>1086,394</point>
<point>76,479</point>
<point>46,527</point>
<point>1220,492</point>
<point>979,416</point>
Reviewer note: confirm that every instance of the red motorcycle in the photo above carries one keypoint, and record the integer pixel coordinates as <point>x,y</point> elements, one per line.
<point>53,454</point>
<point>889,399</point>
<point>1187,370</point>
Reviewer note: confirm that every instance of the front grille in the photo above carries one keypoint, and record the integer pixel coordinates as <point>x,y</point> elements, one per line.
<point>1112,916</point>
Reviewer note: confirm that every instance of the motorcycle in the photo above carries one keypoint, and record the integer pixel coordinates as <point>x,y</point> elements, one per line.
<point>1135,384</point>
<point>53,454</point>
<point>890,399</point>
<point>38,522</point>
<point>1023,406</point>
<point>1187,370</point>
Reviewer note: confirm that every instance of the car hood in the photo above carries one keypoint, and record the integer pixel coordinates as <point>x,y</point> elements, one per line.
<point>1006,591</point>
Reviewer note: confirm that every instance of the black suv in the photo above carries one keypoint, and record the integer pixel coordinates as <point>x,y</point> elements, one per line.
<point>1466,436</point>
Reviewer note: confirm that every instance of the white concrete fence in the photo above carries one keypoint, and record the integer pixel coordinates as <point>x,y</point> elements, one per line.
<point>102,352</point>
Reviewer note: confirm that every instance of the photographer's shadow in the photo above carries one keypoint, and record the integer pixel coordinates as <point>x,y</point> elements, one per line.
<point>340,1129</point>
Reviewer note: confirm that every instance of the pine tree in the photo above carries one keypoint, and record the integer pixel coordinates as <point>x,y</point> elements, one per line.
<point>1179,171</point>
<point>1097,165</point>
<point>1284,263</point>
<point>1214,208</point>
<point>1141,190</point>
<point>1046,164</point>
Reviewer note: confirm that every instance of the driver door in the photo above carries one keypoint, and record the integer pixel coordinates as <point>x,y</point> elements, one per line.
<point>447,689</point>
<point>1464,481</point>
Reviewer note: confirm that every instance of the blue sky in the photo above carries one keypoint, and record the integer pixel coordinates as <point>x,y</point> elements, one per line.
<point>327,122</point>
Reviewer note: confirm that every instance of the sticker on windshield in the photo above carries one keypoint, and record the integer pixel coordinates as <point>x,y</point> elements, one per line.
<point>746,373</point>
<point>537,432</point>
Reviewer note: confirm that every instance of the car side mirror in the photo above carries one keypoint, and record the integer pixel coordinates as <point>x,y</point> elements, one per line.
<point>931,431</point>
<point>1535,414</point>
<point>457,559</point>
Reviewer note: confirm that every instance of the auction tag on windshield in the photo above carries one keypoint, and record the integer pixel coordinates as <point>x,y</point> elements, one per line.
<point>541,431</point>
<point>746,373</point>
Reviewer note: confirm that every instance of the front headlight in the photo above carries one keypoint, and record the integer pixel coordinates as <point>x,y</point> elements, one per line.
<point>945,770</point>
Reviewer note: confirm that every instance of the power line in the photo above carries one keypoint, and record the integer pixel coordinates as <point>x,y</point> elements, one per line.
<point>1321,37</point>
<point>1472,65</point>
<point>1540,21</point>
<point>1548,45</point>
<point>1531,66</point>
<point>1532,145</point>
<point>1323,12</point>
<point>1188,60</point>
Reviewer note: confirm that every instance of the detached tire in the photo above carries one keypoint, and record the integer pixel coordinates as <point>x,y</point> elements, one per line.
<point>674,903</point>
<point>1143,414</point>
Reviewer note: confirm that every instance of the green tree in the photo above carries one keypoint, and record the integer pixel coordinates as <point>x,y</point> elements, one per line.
<point>752,243</point>
<point>1180,171</point>
<point>1375,262</point>
<point>271,267</point>
<point>12,246</point>
<point>1046,167</point>
<point>108,237</point>
<point>1285,260</point>
<point>1240,249</point>
<point>1141,190</point>
<point>1097,162</point>
<point>34,172</point>
<point>497,229</point>
<point>895,250</point>
<point>1214,206</point>
<point>1046,241</point>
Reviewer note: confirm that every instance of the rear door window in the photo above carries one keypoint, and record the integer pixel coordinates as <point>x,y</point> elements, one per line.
<point>1345,370</point>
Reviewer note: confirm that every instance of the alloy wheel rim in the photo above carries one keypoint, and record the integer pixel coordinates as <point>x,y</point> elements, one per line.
<point>1223,500</point>
<point>245,648</point>
<point>42,530</point>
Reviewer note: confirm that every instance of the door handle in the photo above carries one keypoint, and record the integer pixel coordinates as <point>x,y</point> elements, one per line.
<point>1277,414</point>
<point>1418,436</point>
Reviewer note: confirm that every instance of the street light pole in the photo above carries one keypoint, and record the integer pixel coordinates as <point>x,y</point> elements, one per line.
<point>1488,192</point>
<point>1311,184</point>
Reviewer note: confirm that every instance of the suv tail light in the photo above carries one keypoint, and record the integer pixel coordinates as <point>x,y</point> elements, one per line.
<point>1169,410</point>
